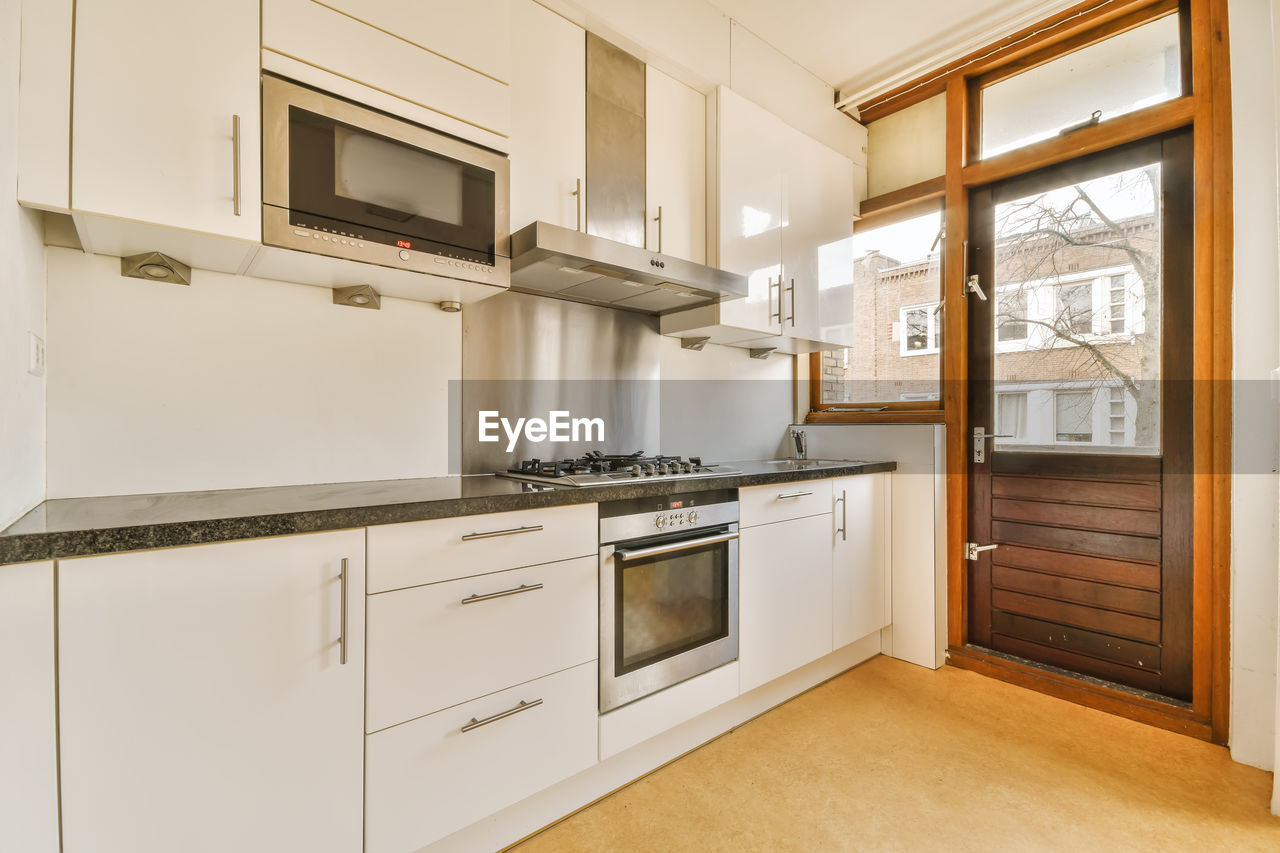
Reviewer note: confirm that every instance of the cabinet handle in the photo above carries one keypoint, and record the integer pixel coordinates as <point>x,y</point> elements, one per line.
<point>523,706</point>
<point>342,629</point>
<point>792,290</point>
<point>577,193</point>
<point>778,314</point>
<point>843,529</point>
<point>472,599</point>
<point>235,165</point>
<point>785,495</point>
<point>658,219</point>
<point>508,532</point>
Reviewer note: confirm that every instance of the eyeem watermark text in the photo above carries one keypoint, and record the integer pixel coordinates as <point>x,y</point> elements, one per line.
<point>558,427</point>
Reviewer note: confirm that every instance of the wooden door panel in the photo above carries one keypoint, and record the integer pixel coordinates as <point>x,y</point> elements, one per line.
<point>1121,625</point>
<point>1100,569</point>
<point>1090,492</point>
<point>1078,516</point>
<point>1145,679</point>
<point>1089,542</point>
<point>1139,602</point>
<point>1130,653</point>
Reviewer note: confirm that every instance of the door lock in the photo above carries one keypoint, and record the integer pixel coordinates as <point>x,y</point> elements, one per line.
<point>973,549</point>
<point>980,436</point>
<point>972,286</point>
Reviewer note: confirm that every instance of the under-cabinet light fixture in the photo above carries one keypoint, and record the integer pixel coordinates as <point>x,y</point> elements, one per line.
<point>357,296</point>
<point>154,266</point>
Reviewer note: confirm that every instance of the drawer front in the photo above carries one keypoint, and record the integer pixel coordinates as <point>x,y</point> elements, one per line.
<point>767,504</point>
<point>427,779</point>
<point>434,646</point>
<point>422,552</point>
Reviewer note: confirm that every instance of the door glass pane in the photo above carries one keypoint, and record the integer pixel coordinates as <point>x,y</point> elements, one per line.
<point>1077,316</point>
<point>671,604</point>
<point>1124,73</point>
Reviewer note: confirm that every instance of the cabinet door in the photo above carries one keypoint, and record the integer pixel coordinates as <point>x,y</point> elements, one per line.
<point>548,116</point>
<point>156,87</point>
<point>750,180</point>
<point>676,173</point>
<point>204,705</point>
<point>784,597</point>
<point>860,589</point>
<point>817,249</point>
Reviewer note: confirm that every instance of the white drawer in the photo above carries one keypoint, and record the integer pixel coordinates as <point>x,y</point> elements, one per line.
<point>421,552</point>
<point>427,649</point>
<point>427,778</point>
<point>767,504</point>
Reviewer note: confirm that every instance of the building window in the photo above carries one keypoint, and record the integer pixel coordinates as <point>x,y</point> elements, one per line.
<point>1073,416</point>
<point>1116,308</point>
<point>1011,317</point>
<point>1075,308</point>
<point>1011,415</point>
<point>919,330</point>
<point>1118,417</point>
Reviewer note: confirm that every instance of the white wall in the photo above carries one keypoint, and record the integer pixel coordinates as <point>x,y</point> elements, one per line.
<point>236,382</point>
<point>1257,352</point>
<point>22,298</point>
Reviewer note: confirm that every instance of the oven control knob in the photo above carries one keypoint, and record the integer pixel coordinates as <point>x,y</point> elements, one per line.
<point>635,470</point>
<point>650,469</point>
<point>660,522</point>
<point>693,517</point>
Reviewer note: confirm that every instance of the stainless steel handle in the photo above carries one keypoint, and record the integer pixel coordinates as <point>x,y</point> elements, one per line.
<point>672,547</point>
<point>342,622</point>
<point>785,495</point>
<point>235,166</point>
<point>533,528</point>
<point>792,290</point>
<point>778,314</point>
<point>472,599</point>
<point>843,529</point>
<point>577,193</point>
<point>658,219</point>
<point>523,706</point>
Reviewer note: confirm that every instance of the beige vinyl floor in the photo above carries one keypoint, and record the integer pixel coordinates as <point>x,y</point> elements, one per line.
<point>890,756</point>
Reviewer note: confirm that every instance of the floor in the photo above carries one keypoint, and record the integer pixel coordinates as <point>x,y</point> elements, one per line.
<point>890,756</point>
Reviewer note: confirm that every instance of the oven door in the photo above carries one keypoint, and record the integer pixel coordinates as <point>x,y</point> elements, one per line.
<point>335,167</point>
<point>668,611</point>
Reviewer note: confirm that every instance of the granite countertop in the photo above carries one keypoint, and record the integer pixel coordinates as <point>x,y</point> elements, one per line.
<point>73,527</point>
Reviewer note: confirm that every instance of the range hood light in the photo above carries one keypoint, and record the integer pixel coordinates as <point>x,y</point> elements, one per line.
<point>573,270</point>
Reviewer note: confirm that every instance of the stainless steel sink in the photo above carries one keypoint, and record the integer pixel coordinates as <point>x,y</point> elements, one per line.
<point>805,464</point>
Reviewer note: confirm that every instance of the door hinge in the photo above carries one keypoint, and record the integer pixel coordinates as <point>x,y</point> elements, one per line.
<point>973,549</point>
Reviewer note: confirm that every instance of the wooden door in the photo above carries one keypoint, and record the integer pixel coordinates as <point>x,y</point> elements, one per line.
<point>1080,363</point>
<point>204,704</point>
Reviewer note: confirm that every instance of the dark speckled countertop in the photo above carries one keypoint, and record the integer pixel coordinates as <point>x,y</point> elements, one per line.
<point>73,527</point>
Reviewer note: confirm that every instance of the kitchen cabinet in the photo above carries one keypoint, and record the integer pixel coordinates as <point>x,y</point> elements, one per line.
<point>861,590</point>
<point>548,117</point>
<point>675,172</point>
<point>783,218</point>
<point>784,597</point>
<point>158,89</point>
<point>204,700</point>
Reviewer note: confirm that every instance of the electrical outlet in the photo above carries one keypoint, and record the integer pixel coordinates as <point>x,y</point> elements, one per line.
<point>35,361</point>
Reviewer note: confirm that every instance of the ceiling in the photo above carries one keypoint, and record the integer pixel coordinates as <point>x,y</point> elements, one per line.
<point>861,47</point>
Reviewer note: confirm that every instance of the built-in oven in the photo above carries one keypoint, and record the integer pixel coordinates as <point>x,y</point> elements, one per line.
<point>348,181</point>
<point>668,591</point>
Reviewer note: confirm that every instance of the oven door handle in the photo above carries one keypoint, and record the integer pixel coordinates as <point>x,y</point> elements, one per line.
<point>672,547</point>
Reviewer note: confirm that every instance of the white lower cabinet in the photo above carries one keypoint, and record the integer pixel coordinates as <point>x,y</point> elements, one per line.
<point>784,591</point>
<point>204,702</point>
<point>434,646</point>
<point>432,776</point>
<point>861,592</point>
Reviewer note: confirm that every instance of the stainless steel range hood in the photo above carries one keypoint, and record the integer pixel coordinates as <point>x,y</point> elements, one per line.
<point>567,264</point>
<point>606,262</point>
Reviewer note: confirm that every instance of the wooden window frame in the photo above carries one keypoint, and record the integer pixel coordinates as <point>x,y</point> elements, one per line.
<point>1205,107</point>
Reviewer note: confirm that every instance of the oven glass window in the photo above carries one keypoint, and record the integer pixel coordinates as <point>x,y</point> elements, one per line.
<point>670,604</point>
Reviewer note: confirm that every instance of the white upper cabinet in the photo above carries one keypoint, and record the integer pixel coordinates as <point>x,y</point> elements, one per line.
<point>205,703</point>
<point>675,172</point>
<point>159,88</point>
<point>548,117</point>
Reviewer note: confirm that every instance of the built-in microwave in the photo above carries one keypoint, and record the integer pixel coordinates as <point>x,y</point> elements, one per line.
<point>348,181</point>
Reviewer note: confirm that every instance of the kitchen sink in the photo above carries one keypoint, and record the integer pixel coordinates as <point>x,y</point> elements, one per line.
<point>804,464</point>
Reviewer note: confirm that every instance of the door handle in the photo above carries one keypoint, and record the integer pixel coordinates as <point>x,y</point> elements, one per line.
<point>512,531</point>
<point>843,529</point>
<point>235,164</point>
<point>980,436</point>
<point>673,547</point>
<point>973,549</point>
<point>658,219</point>
<point>489,596</point>
<point>785,495</point>
<point>577,193</point>
<point>792,291</point>
<point>342,620</point>
<point>501,715</point>
<point>772,314</point>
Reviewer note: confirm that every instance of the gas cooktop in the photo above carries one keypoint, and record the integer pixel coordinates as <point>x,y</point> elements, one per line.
<point>601,469</point>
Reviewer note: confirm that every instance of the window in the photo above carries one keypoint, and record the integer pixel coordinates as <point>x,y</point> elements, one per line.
<point>1121,74</point>
<point>1075,308</point>
<point>1073,415</point>
<point>1011,415</point>
<point>1116,309</point>
<point>919,330</point>
<point>895,341</point>
<point>1119,418</point>
<point>1011,317</point>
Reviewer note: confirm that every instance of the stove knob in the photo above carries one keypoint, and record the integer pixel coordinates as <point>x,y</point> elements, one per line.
<point>664,468</point>
<point>688,467</point>
<point>650,470</point>
<point>635,470</point>
<point>660,522</point>
<point>693,516</point>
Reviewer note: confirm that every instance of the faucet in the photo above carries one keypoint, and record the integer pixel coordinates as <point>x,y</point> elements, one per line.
<point>801,443</point>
